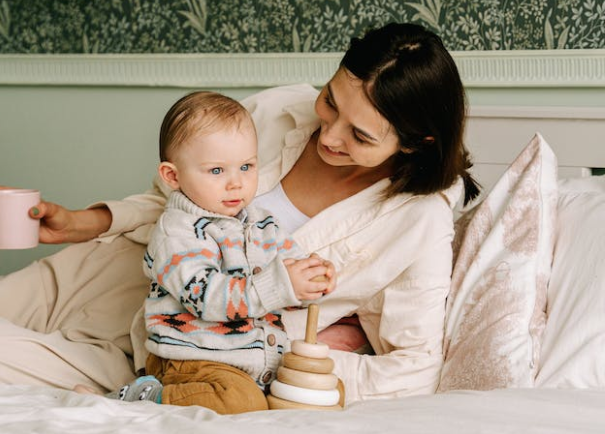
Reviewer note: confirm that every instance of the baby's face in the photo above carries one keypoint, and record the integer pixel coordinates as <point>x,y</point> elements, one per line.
<point>219,171</point>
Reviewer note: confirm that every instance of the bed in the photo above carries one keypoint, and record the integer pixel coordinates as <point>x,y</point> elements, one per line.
<point>525,333</point>
<point>30,410</point>
<point>525,330</point>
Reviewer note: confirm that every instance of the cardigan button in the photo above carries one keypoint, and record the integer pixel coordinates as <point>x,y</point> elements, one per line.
<point>256,270</point>
<point>271,340</point>
<point>267,377</point>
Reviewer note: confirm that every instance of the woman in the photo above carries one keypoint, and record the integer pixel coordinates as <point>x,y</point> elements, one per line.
<point>365,174</point>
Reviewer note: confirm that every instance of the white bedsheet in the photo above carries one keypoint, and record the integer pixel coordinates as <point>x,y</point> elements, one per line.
<point>27,409</point>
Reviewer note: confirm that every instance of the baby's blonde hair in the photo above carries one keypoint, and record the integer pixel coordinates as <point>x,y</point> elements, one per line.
<point>200,111</point>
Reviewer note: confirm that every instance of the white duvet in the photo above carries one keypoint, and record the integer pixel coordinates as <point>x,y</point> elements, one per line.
<point>28,409</point>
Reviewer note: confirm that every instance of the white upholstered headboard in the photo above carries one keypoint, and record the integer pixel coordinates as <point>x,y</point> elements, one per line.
<point>496,134</point>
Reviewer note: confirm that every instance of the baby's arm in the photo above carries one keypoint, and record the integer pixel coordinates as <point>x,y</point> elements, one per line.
<point>191,271</point>
<point>311,276</point>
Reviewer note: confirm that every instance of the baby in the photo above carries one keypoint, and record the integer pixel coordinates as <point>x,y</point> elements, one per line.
<point>220,268</point>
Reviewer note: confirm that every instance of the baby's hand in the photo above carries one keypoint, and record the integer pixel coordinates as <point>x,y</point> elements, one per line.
<point>311,277</point>
<point>329,277</point>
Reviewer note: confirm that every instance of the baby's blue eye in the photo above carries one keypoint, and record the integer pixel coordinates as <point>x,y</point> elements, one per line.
<point>245,167</point>
<point>216,171</point>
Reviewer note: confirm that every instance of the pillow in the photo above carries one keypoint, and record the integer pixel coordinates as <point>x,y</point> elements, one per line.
<point>583,185</point>
<point>502,255</point>
<point>573,347</point>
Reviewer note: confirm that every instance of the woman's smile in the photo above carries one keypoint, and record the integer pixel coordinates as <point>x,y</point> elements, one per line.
<point>334,152</point>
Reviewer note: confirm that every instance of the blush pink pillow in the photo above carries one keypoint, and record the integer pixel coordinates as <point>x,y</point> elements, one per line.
<point>503,248</point>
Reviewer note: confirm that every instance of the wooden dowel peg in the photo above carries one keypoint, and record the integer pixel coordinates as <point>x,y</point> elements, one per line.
<point>312,319</point>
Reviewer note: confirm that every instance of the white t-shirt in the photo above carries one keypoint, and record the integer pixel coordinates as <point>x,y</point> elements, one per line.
<point>275,201</point>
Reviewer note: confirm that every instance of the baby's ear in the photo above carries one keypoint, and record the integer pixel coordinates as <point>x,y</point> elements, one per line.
<point>169,174</point>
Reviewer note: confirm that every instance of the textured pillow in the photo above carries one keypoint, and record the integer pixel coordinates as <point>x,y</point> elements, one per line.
<point>503,251</point>
<point>573,346</point>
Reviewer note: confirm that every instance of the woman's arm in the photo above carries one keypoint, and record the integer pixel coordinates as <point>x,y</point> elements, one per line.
<point>60,225</point>
<point>405,326</point>
<point>136,211</point>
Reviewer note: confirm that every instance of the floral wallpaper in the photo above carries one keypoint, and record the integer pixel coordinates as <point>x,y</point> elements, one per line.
<point>227,26</point>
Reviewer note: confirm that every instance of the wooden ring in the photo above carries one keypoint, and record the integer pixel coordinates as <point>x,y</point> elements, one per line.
<point>276,403</point>
<point>304,396</point>
<point>318,366</point>
<point>314,351</point>
<point>308,380</point>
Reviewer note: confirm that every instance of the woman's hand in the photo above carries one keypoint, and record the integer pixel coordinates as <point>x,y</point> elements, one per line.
<point>59,225</point>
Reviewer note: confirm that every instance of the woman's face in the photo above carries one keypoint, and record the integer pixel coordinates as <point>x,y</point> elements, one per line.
<point>352,133</point>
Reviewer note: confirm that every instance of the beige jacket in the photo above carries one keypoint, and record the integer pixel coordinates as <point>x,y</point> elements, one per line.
<point>393,258</point>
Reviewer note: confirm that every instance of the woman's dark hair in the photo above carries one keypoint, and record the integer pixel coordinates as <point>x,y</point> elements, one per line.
<point>413,82</point>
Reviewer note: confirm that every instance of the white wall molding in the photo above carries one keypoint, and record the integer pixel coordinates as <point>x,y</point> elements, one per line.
<point>489,69</point>
<point>535,68</point>
<point>539,112</point>
<point>170,70</point>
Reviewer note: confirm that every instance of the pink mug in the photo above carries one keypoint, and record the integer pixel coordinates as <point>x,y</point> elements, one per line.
<point>17,229</point>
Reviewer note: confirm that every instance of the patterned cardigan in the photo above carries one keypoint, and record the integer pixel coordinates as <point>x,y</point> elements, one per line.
<point>217,284</point>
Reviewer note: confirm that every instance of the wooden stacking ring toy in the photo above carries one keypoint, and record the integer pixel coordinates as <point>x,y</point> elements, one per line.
<point>303,395</point>
<point>276,403</point>
<point>313,351</point>
<point>305,381</point>
<point>318,366</point>
<point>310,380</point>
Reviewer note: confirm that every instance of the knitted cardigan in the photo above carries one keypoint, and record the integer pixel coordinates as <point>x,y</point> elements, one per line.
<point>217,284</point>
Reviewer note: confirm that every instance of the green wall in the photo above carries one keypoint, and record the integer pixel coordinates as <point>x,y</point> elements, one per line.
<point>80,145</point>
<point>228,26</point>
